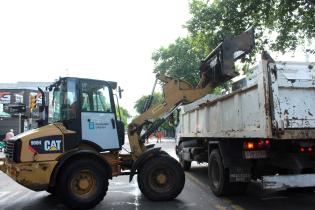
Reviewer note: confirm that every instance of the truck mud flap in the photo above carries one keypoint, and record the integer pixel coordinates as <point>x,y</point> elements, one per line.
<point>288,181</point>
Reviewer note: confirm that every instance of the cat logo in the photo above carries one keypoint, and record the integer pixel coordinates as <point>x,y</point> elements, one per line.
<point>52,145</point>
<point>46,145</point>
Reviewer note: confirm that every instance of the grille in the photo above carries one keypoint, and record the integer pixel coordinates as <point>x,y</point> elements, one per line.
<point>9,150</point>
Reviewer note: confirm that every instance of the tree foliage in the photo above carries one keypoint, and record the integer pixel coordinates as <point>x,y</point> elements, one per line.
<point>180,60</point>
<point>139,105</point>
<point>124,115</point>
<point>157,99</point>
<point>281,25</point>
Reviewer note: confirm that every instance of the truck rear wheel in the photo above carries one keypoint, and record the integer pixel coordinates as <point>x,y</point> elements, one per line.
<point>82,184</point>
<point>219,177</point>
<point>161,178</point>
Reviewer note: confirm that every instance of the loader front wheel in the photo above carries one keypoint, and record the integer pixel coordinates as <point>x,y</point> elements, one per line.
<point>82,184</point>
<point>161,178</point>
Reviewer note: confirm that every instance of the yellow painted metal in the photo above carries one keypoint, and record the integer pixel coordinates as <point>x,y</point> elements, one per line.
<point>45,131</point>
<point>2,165</point>
<point>175,91</point>
<point>114,160</point>
<point>83,184</point>
<point>33,175</point>
<point>35,170</point>
<point>161,178</point>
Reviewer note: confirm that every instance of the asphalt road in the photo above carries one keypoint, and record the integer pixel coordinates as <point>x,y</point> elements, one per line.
<point>196,195</point>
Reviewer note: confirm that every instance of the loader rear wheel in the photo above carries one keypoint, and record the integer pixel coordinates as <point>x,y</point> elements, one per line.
<point>219,177</point>
<point>82,184</point>
<point>52,191</point>
<point>161,178</point>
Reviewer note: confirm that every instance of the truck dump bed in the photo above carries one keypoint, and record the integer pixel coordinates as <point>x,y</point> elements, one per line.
<point>276,101</point>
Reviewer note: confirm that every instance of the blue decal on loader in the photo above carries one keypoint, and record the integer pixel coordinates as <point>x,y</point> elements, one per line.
<point>91,125</point>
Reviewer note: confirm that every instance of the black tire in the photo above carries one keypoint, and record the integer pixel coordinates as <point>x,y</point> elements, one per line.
<point>186,165</point>
<point>86,172</point>
<point>51,190</point>
<point>169,171</point>
<point>219,177</point>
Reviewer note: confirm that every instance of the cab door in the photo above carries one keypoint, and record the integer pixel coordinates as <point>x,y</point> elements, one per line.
<point>98,120</point>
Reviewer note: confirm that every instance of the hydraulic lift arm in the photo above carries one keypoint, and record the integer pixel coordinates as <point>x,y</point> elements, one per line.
<point>176,92</point>
<point>217,68</point>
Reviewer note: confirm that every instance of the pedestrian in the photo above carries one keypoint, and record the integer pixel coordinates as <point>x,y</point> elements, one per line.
<point>9,135</point>
<point>159,137</point>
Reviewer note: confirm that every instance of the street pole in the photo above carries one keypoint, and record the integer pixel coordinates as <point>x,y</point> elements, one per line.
<point>20,122</point>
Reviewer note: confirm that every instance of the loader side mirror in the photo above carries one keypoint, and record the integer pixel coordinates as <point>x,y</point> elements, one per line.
<point>120,91</point>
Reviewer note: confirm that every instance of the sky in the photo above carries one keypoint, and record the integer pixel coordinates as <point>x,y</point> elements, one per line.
<point>41,40</point>
<point>109,40</point>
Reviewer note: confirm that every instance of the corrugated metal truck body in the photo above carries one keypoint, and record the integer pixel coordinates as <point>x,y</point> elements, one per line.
<point>258,110</point>
<point>259,129</point>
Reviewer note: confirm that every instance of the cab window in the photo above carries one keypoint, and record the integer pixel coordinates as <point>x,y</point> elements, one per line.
<point>95,97</point>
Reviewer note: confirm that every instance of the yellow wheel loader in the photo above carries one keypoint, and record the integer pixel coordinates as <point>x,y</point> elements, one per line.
<point>75,155</point>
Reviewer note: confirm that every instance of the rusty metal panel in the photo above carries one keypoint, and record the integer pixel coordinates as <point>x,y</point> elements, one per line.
<point>233,115</point>
<point>294,95</point>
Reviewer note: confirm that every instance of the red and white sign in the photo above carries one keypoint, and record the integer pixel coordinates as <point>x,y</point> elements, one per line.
<point>5,97</point>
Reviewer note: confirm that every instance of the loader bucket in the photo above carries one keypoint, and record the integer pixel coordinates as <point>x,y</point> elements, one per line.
<point>218,67</point>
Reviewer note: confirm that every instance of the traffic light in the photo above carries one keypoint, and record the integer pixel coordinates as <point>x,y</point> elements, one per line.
<point>32,102</point>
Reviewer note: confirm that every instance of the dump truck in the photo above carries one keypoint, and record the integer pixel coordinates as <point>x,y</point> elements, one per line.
<point>75,155</point>
<point>263,129</point>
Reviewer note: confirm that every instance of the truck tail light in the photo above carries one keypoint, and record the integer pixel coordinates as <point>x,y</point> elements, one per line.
<point>306,149</point>
<point>249,145</point>
<point>256,144</point>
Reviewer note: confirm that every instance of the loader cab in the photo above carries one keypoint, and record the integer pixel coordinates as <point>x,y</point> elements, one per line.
<point>87,107</point>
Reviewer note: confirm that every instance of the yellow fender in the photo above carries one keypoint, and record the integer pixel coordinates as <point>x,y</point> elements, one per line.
<point>2,165</point>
